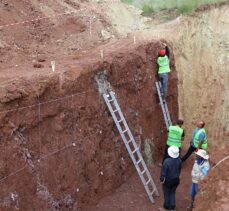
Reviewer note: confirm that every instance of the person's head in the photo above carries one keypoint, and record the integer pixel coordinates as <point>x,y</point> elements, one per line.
<point>200,124</point>
<point>162,52</point>
<point>173,152</point>
<point>180,122</point>
<point>201,154</point>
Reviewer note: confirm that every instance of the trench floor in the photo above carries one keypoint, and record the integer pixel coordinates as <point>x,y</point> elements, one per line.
<point>131,195</point>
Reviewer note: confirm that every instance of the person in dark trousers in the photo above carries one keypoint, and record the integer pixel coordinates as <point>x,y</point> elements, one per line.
<point>170,177</point>
<point>199,140</point>
<point>163,69</point>
<point>175,137</point>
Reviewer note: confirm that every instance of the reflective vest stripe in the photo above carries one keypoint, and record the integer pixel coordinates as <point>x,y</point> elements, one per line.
<point>196,139</point>
<point>175,136</point>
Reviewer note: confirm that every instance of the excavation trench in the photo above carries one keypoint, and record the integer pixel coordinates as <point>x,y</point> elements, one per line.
<point>60,148</point>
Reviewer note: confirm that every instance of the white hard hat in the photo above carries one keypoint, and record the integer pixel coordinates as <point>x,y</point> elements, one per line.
<point>173,151</point>
<point>202,153</point>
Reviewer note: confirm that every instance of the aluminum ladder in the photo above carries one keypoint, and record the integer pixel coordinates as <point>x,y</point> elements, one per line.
<point>131,145</point>
<point>164,106</point>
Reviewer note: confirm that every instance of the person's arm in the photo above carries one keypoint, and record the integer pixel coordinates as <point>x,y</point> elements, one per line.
<point>204,171</point>
<point>183,135</point>
<point>164,170</point>
<point>200,144</point>
<point>180,165</point>
<point>201,139</point>
<point>167,51</point>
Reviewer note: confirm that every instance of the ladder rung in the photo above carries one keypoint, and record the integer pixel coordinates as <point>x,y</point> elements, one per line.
<point>139,161</point>
<point>153,191</point>
<point>120,120</point>
<point>129,141</point>
<point>124,131</point>
<point>116,110</point>
<point>135,150</point>
<point>142,172</point>
<point>148,182</point>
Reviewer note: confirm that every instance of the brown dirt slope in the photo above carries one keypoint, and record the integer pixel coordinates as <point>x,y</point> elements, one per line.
<point>47,29</point>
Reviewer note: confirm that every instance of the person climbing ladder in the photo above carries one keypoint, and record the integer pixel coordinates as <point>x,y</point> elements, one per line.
<point>163,69</point>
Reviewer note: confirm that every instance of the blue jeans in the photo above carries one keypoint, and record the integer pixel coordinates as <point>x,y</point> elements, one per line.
<point>194,190</point>
<point>164,77</point>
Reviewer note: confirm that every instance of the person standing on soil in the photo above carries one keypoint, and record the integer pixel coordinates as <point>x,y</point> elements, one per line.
<point>199,140</point>
<point>199,172</point>
<point>175,137</point>
<point>163,69</point>
<point>170,177</point>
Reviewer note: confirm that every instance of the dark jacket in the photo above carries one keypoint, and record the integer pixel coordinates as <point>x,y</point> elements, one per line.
<point>170,171</point>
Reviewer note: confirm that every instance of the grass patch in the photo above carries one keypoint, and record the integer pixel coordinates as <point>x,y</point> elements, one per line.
<point>187,7</point>
<point>147,8</point>
<point>182,6</point>
<point>127,1</point>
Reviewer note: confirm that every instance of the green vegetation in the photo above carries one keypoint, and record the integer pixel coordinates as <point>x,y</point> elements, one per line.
<point>187,7</point>
<point>182,6</point>
<point>127,1</point>
<point>147,8</point>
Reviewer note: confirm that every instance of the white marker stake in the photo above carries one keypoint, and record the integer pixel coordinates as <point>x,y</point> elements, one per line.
<point>53,65</point>
<point>101,54</point>
<point>90,24</point>
<point>134,40</point>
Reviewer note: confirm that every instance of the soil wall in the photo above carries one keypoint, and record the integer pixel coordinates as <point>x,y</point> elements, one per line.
<point>202,53</point>
<point>60,148</point>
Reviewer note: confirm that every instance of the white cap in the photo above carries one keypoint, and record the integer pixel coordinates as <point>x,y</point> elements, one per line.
<point>173,152</point>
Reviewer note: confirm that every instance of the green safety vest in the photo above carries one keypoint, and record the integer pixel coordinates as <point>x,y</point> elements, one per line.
<point>175,136</point>
<point>163,63</point>
<point>196,139</point>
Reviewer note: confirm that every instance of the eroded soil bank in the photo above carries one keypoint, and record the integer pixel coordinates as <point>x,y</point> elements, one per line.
<point>60,147</point>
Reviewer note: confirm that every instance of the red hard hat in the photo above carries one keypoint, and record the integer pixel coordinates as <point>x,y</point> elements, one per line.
<point>162,52</point>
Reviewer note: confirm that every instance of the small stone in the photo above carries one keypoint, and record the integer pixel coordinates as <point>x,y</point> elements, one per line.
<point>11,88</point>
<point>36,65</point>
<point>105,34</point>
<point>73,144</point>
<point>41,60</point>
